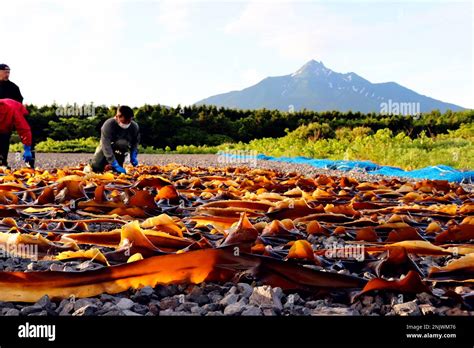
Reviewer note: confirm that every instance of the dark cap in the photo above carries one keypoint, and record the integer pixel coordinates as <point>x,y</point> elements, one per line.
<point>4,67</point>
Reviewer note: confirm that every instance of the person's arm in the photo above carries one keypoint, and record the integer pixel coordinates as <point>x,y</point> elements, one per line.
<point>134,146</point>
<point>135,139</point>
<point>24,131</point>
<point>106,142</point>
<point>22,127</point>
<point>16,93</point>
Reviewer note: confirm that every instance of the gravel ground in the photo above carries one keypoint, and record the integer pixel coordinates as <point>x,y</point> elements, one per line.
<point>52,160</point>
<point>229,299</point>
<point>211,299</point>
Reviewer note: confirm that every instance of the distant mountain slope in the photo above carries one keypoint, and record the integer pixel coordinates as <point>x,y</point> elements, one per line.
<point>316,87</point>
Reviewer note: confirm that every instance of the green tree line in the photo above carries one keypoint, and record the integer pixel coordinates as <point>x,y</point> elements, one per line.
<point>162,126</point>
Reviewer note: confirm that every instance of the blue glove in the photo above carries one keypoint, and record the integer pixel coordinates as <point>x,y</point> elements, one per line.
<point>133,158</point>
<point>118,168</point>
<point>27,155</point>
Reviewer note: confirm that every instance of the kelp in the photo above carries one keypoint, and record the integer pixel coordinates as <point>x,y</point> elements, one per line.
<point>190,267</point>
<point>175,224</point>
<point>460,270</point>
<point>411,284</point>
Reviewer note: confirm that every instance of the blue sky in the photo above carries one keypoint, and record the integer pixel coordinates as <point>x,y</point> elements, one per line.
<point>170,52</point>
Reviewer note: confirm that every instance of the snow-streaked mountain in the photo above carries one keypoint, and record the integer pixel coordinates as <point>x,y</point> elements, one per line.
<point>316,87</point>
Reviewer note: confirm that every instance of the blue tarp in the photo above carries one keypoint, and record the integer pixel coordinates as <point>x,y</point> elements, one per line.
<point>439,172</point>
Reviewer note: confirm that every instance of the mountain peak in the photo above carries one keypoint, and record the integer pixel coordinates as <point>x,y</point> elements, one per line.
<point>315,87</point>
<point>313,67</point>
<point>314,62</point>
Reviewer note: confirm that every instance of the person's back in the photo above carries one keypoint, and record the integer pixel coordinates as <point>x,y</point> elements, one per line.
<point>12,117</point>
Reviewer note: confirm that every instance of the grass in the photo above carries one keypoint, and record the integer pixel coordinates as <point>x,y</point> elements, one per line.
<point>455,148</point>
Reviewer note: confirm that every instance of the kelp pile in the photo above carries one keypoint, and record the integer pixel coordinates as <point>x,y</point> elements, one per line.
<point>175,224</point>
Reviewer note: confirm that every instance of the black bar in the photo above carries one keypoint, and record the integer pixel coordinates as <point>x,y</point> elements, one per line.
<point>242,331</point>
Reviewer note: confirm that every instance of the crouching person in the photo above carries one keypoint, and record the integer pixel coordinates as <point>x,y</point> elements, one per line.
<point>119,135</point>
<point>12,116</point>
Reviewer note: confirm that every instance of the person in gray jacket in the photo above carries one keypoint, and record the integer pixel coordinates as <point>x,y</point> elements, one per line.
<point>119,135</point>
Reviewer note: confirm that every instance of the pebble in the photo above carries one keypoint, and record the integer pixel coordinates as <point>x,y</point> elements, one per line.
<point>107,298</point>
<point>442,310</point>
<point>385,309</point>
<point>56,267</point>
<point>114,312</point>
<point>198,310</point>
<point>292,299</point>
<point>265,296</point>
<point>424,297</point>
<point>427,309</point>
<point>67,309</point>
<point>125,303</point>
<point>456,311</point>
<point>171,313</point>
<point>153,308</point>
<point>334,311</point>
<point>234,308</point>
<point>269,312</point>
<point>131,313</point>
<point>215,296</point>
<point>169,303</point>
<point>407,309</point>
<point>370,309</point>
<point>12,312</point>
<point>88,266</point>
<point>165,291</point>
<point>82,302</point>
<point>195,292</point>
<point>314,304</point>
<point>212,307</point>
<point>107,307</point>
<point>252,311</point>
<point>61,305</point>
<point>140,309</point>
<point>144,295</point>
<point>31,309</point>
<point>202,300</point>
<point>186,306</point>
<point>209,287</point>
<point>245,289</point>
<point>86,310</point>
<point>44,302</point>
<point>229,299</point>
<point>6,305</point>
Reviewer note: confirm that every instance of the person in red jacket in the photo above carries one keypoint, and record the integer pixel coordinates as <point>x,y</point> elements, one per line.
<point>12,117</point>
